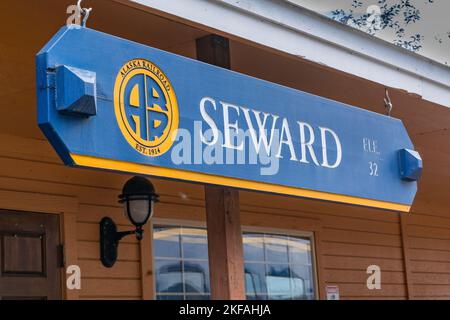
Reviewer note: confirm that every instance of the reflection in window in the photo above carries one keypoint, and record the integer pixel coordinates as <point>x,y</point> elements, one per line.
<point>278,267</point>
<point>181,263</point>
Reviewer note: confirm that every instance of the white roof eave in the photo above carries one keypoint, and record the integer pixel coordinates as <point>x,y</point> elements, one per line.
<point>294,30</point>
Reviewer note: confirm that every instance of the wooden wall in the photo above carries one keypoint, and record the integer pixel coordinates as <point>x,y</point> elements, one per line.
<point>32,178</point>
<point>348,238</point>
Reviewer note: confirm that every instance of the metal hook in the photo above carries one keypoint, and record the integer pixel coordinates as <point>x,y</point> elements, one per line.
<point>83,10</point>
<point>387,102</point>
<point>86,16</point>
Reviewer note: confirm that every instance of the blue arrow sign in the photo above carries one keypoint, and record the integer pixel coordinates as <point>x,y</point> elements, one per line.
<point>109,103</point>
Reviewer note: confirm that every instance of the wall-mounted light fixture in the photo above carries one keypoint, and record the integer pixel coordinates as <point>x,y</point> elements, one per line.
<point>138,197</point>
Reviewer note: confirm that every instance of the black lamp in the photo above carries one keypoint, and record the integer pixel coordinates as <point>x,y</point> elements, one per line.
<point>138,196</point>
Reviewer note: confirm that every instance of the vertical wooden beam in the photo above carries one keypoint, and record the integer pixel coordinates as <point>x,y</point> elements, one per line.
<point>406,258</point>
<point>214,49</point>
<point>226,264</point>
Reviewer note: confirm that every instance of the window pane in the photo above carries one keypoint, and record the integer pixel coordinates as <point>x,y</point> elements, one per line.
<point>278,287</point>
<point>196,277</point>
<point>278,267</point>
<point>166,242</point>
<point>278,270</point>
<point>194,243</point>
<point>181,263</point>
<point>302,282</point>
<point>298,288</point>
<point>278,281</point>
<point>255,274</point>
<point>168,276</point>
<point>253,247</point>
<point>276,248</point>
<point>299,250</point>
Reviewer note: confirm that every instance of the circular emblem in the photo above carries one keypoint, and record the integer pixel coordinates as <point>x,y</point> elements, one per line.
<point>146,107</point>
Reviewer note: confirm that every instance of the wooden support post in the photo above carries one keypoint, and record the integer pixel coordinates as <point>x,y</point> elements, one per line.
<point>226,264</point>
<point>214,49</point>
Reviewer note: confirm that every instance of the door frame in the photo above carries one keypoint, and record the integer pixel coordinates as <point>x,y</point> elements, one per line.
<point>66,207</point>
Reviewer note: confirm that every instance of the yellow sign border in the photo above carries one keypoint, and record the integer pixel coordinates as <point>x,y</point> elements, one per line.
<point>123,166</point>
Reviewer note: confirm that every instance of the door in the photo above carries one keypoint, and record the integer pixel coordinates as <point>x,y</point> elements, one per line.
<point>29,256</point>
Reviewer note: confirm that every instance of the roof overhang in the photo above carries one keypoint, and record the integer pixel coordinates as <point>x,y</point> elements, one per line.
<point>294,30</point>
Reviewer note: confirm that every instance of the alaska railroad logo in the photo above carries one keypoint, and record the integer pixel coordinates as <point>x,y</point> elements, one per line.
<point>146,107</point>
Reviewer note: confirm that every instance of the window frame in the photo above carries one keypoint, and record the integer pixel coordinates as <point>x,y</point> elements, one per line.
<point>244,228</point>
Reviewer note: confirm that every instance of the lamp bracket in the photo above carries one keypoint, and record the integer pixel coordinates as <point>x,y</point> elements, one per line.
<point>109,240</point>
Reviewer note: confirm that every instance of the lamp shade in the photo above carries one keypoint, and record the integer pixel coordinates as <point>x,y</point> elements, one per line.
<point>138,196</point>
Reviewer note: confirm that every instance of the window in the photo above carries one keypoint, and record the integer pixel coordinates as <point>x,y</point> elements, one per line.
<point>276,266</point>
<point>181,263</point>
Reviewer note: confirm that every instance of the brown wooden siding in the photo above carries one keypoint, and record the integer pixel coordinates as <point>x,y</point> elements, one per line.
<point>429,247</point>
<point>351,238</point>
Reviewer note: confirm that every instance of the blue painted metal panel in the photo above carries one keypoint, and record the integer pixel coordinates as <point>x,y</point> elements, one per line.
<point>144,95</point>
